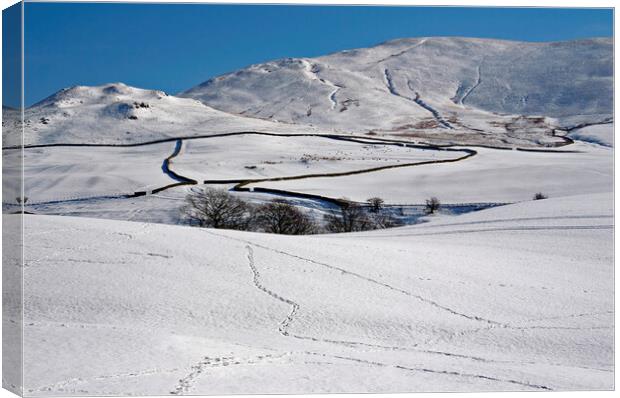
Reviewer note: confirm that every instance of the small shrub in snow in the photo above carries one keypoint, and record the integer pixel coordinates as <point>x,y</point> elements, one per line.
<point>539,196</point>
<point>432,205</point>
<point>375,203</point>
<point>141,105</point>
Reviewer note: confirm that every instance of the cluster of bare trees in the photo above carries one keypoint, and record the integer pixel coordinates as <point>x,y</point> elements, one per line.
<point>215,208</point>
<point>352,217</point>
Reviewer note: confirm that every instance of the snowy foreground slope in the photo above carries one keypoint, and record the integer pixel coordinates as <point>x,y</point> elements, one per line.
<point>423,87</point>
<point>440,306</point>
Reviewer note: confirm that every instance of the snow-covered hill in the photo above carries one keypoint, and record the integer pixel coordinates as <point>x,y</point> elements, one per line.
<point>517,297</point>
<point>423,87</point>
<point>443,90</point>
<point>119,114</point>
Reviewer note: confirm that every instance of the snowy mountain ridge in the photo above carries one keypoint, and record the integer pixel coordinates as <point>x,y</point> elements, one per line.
<point>424,84</point>
<point>437,90</point>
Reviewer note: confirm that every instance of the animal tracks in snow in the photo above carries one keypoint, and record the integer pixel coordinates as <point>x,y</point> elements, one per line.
<point>186,384</point>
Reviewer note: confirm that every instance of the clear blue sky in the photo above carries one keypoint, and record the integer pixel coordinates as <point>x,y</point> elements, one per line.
<point>174,47</point>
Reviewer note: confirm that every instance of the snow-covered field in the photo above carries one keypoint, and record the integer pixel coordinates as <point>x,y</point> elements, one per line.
<point>490,176</point>
<point>88,180</point>
<point>513,298</point>
<point>61,173</point>
<point>258,156</point>
<point>97,175</point>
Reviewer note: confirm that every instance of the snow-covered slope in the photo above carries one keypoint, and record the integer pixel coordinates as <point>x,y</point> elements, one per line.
<point>119,114</point>
<point>416,85</point>
<point>518,297</point>
<point>602,134</point>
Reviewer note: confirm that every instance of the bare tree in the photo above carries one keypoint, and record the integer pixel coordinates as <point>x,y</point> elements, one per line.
<point>350,217</point>
<point>375,203</point>
<point>432,205</point>
<point>279,217</point>
<point>216,208</point>
<point>540,196</point>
